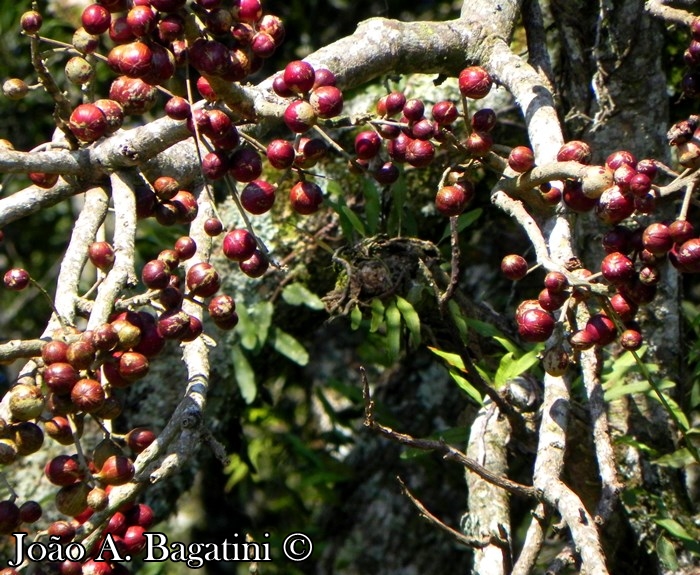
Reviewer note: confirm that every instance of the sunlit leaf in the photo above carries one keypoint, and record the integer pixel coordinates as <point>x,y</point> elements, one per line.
<point>511,367</point>
<point>468,388</point>
<point>355,317</point>
<point>393,330</point>
<point>245,376</point>
<point>298,294</point>
<point>463,222</point>
<point>483,328</point>
<point>411,319</point>
<point>452,359</point>
<point>372,205</point>
<point>667,553</point>
<point>288,346</point>
<point>678,459</point>
<point>377,314</point>
<point>354,220</point>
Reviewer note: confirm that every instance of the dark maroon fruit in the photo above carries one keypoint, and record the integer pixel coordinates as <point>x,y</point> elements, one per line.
<point>386,174</point>
<point>9,516</point>
<point>101,255</point>
<point>299,116</point>
<point>575,151</point>
<point>96,19</point>
<point>326,101</point>
<point>601,328</point>
<point>478,144</point>
<point>178,108</point>
<point>614,206</point>
<point>631,339</point>
<point>30,512</point>
<point>483,120</point>
<point>139,439</point>
<point>445,112</point>
<point>681,231</point>
<point>31,21</point>
<point>88,395</point>
<point>474,82</point>
<point>535,325</point>
<point>616,159</point>
<point>60,377</point>
<point>88,123</point>
<point>617,268</point>
<point>185,247</point>
<point>258,197</point>
<point>280,154</point>
<point>80,354</point>
<point>299,76</point>
<point>551,301</point>
<point>43,180</point>
<point>521,159</point>
<point>203,280</point>
<point>255,266</point>
<point>63,470</point>
<point>514,267</point>
<point>215,165</point>
<point>657,239</point>
<point>133,94</point>
<point>419,153</point>
<point>451,200</point>
<point>624,307</point>
<point>555,282</point>
<point>64,530</point>
<point>367,144</point>
<point>305,197</point>
<point>54,351</point>
<point>245,165</point>
<point>16,279</point>
<point>116,470</point>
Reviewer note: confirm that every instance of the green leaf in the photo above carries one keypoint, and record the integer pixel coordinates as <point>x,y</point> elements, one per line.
<point>393,330</point>
<point>288,346</point>
<point>254,324</point>
<point>399,191</point>
<point>377,314</point>
<point>679,532</point>
<point>355,317</point>
<point>236,471</point>
<point>635,387</point>
<point>345,223</point>
<point>667,553</point>
<point>410,317</point>
<point>458,319</point>
<point>354,220</point>
<point>507,344</point>
<point>245,376</point>
<point>463,222</point>
<point>298,294</point>
<point>372,205</point>
<point>468,388</point>
<point>510,367</point>
<point>678,459</point>
<point>483,328</point>
<point>452,359</point>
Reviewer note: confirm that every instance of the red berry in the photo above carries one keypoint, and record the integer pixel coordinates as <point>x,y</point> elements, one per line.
<point>258,197</point>
<point>16,279</point>
<point>451,200</point>
<point>299,76</point>
<point>96,19</point>
<point>239,245</point>
<point>305,197</point>
<point>474,82</point>
<point>88,123</point>
<point>514,267</point>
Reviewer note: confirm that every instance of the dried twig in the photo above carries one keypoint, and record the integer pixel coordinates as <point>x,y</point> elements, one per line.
<point>448,452</point>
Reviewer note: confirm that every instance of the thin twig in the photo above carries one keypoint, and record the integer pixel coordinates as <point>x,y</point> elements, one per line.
<point>456,535</point>
<point>454,264</point>
<point>448,452</point>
